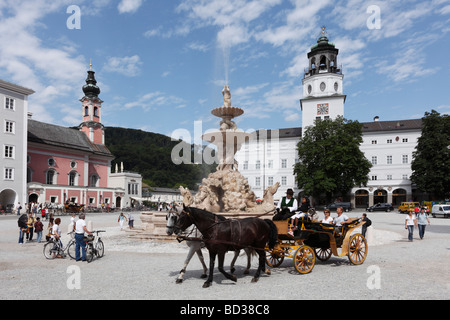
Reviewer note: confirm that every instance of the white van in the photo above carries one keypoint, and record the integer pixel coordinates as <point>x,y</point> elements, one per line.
<point>441,210</point>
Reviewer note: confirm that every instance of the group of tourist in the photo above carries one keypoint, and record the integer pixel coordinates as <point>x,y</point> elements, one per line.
<point>288,208</point>
<point>29,225</point>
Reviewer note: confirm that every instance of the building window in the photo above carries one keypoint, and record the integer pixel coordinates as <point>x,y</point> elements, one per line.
<point>389,177</point>
<point>405,139</point>
<point>405,158</point>
<point>389,160</point>
<point>283,163</point>
<point>374,178</point>
<point>73,164</point>
<point>9,103</point>
<point>374,141</point>
<point>9,174</point>
<point>283,181</point>
<point>94,180</point>
<point>50,177</point>
<point>51,162</point>
<point>86,111</point>
<point>389,141</point>
<point>270,181</point>
<point>374,160</point>
<point>9,126</point>
<point>405,177</point>
<point>95,112</point>
<point>9,152</point>
<point>258,164</point>
<point>73,178</point>
<point>270,164</point>
<point>258,181</point>
<point>245,165</point>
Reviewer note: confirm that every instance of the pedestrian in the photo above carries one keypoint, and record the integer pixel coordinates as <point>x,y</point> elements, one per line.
<point>56,232</point>
<point>130,221</point>
<point>121,219</point>
<point>23,227</point>
<point>19,207</point>
<point>410,222</point>
<point>422,220</point>
<point>38,227</point>
<point>30,224</point>
<point>365,225</point>
<point>80,229</point>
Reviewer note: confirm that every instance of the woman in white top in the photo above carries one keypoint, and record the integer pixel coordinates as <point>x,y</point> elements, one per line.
<point>56,232</point>
<point>327,218</point>
<point>410,222</point>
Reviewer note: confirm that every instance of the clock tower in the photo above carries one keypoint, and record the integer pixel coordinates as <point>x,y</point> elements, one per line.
<point>323,96</point>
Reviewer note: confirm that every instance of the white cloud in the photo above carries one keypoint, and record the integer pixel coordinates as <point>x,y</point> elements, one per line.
<point>127,66</point>
<point>129,6</point>
<point>156,99</point>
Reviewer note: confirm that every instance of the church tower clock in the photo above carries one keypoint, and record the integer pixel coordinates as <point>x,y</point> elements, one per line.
<point>323,96</point>
<point>91,108</point>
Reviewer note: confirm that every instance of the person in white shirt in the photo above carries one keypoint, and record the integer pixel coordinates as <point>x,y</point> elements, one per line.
<point>327,217</point>
<point>80,229</point>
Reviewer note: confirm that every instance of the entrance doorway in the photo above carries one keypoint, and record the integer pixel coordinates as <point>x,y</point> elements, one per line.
<point>118,202</point>
<point>398,196</point>
<point>361,199</point>
<point>379,196</point>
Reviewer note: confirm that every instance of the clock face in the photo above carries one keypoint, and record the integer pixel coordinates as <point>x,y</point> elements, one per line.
<point>323,86</point>
<point>322,109</point>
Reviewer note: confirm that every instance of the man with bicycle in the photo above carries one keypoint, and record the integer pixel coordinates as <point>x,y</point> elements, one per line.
<point>80,229</point>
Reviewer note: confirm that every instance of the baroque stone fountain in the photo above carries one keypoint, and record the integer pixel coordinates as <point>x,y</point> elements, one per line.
<point>226,191</point>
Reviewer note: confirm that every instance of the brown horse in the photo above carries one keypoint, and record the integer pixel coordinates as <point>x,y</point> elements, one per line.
<point>221,236</point>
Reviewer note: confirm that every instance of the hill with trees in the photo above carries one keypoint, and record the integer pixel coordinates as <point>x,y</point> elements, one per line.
<point>149,154</point>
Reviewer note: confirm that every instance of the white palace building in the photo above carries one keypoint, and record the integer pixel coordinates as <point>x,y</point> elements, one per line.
<point>270,157</point>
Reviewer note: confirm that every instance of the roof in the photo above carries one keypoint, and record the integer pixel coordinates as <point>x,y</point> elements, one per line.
<point>374,126</point>
<point>282,133</point>
<point>377,126</point>
<point>14,87</point>
<point>53,135</point>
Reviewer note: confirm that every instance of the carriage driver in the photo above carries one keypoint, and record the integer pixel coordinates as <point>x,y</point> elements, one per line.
<point>287,206</point>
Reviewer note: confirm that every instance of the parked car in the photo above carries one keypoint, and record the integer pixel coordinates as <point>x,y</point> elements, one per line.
<point>404,207</point>
<point>347,206</point>
<point>440,210</point>
<point>381,207</point>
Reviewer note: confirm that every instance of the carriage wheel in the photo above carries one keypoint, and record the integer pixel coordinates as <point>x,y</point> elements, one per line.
<point>323,254</point>
<point>357,252</point>
<point>273,258</point>
<point>304,259</point>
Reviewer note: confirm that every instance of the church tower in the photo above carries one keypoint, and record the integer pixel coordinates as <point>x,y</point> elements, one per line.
<point>92,110</point>
<point>323,96</point>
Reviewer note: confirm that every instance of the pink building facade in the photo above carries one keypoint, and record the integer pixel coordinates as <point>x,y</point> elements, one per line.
<point>72,165</point>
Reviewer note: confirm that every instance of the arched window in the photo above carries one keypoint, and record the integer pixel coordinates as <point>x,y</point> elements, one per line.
<point>73,178</point>
<point>94,180</point>
<point>95,112</point>
<point>29,174</point>
<point>86,111</point>
<point>51,177</point>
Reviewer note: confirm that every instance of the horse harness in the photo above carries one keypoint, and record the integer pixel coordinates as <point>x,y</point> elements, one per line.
<point>213,240</point>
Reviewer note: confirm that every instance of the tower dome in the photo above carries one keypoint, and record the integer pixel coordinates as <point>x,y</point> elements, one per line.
<point>91,89</point>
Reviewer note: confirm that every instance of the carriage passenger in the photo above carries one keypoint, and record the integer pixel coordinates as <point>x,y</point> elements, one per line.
<point>340,219</point>
<point>327,217</point>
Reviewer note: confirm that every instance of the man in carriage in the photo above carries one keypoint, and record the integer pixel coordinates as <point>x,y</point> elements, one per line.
<point>286,207</point>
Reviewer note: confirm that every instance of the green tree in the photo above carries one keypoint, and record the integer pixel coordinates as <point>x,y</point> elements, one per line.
<point>431,159</point>
<point>330,160</point>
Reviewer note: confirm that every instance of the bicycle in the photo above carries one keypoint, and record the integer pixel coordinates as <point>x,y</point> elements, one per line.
<point>94,246</point>
<point>52,249</point>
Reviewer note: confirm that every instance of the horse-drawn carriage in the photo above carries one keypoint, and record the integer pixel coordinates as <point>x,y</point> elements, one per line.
<point>73,208</point>
<point>313,240</point>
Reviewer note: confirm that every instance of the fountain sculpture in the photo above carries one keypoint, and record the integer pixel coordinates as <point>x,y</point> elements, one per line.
<point>226,191</point>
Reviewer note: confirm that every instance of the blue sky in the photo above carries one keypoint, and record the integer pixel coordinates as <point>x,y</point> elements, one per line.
<point>161,64</point>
